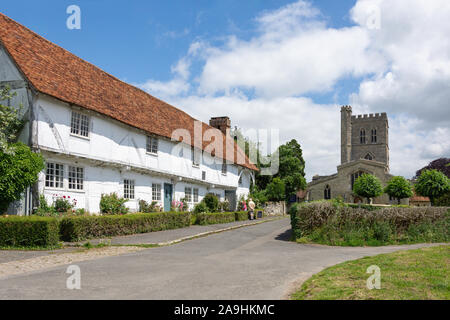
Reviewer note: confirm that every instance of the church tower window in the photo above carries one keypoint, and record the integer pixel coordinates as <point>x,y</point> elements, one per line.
<point>368,157</point>
<point>362,136</point>
<point>374,136</point>
<point>327,193</point>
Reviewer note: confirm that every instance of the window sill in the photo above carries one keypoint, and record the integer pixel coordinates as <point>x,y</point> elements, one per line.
<point>196,166</point>
<point>152,154</point>
<point>80,136</point>
<point>63,190</point>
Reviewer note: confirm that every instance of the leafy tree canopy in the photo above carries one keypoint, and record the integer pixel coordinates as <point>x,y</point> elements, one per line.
<point>399,188</point>
<point>441,164</point>
<point>275,190</point>
<point>18,170</point>
<point>10,121</point>
<point>432,184</point>
<point>368,186</point>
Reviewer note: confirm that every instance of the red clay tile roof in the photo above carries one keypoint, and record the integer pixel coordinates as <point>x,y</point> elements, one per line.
<point>419,199</point>
<point>56,72</point>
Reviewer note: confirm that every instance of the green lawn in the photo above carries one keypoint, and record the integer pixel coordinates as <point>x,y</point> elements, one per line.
<point>405,275</point>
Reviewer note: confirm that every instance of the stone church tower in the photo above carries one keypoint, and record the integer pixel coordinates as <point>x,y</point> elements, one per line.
<point>364,149</point>
<point>364,136</point>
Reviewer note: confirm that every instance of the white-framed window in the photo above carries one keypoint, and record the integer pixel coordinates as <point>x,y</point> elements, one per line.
<point>152,145</point>
<point>79,124</point>
<point>195,157</point>
<point>76,178</point>
<point>54,175</point>
<point>128,189</point>
<point>188,194</point>
<point>195,195</point>
<point>156,192</point>
<point>224,168</point>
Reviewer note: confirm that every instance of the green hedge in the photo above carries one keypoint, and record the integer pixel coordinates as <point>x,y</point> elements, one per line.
<point>241,215</point>
<point>29,232</point>
<point>81,228</point>
<point>333,224</point>
<point>214,218</point>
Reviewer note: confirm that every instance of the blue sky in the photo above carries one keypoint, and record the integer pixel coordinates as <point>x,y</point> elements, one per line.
<point>137,40</point>
<point>276,64</point>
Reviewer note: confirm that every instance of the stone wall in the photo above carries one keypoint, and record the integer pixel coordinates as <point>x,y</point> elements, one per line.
<point>275,208</point>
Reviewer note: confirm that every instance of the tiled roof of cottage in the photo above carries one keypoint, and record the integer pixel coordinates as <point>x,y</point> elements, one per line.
<point>55,71</point>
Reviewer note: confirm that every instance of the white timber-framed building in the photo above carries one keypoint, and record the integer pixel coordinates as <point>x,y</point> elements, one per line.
<point>100,135</point>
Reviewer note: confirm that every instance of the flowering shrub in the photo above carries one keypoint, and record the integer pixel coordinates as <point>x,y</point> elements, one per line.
<point>112,204</point>
<point>62,205</point>
<point>178,206</point>
<point>145,207</point>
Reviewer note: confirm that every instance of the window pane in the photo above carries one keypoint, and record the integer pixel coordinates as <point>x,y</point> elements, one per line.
<point>76,178</point>
<point>195,195</point>
<point>156,192</point>
<point>188,194</point>
<point>75,123</point>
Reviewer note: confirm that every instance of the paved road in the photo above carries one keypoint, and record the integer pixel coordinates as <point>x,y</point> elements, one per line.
<point>256,262</point>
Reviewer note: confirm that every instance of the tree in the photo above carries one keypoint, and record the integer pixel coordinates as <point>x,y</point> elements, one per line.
<point>399,188</point>
<point>18,170</point>
<point>275,190</point>
<point>291,169</point>
<point>441,164</point>
<point>10,121</point>
<point>368,186</point>
<point>432,184</point>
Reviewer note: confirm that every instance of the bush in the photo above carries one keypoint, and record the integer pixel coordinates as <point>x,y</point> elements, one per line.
<point>241,215</point>
<point>326,223</point>
<point>212,202</point>
<point>443,201</point>
<point>18,170</point>
<point>81,228</point>
<point>200,208</point>
<point>146,207</point>
<point>112,204</point>
<point>224,206</point>
<point>29,232</point>
<point>214,218</point>
<point>62,205</point>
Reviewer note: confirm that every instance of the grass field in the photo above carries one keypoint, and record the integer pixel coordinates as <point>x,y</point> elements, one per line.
<point>405,275</point>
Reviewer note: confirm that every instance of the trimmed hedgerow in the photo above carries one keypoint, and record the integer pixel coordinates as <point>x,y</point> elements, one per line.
<point>81,228</point>
<point>335,224</point>
<point>205,218</point>
<point>241,215</point>
<point>29,232</point>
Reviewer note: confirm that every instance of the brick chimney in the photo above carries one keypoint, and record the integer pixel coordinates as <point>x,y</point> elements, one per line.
<point>221,123</point>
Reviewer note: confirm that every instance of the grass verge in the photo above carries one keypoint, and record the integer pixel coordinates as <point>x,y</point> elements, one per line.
<point>421,274</point>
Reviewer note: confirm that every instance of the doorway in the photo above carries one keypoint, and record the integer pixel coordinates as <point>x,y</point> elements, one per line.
<point>167,196</point>
<point>230,196</point>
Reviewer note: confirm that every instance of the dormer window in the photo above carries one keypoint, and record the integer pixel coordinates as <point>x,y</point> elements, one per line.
<point>79,124</point>
<point>362,136</point>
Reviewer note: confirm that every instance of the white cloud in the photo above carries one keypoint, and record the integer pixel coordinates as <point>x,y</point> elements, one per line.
<point>404,66</point>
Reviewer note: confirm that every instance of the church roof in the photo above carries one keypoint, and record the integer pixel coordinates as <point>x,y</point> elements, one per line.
<point>56,72</point>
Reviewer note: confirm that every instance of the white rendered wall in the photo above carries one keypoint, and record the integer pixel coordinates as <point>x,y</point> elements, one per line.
<point>119,150</point>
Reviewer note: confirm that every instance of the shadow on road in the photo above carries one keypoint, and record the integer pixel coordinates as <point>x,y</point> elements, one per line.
<point>285,236</point>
